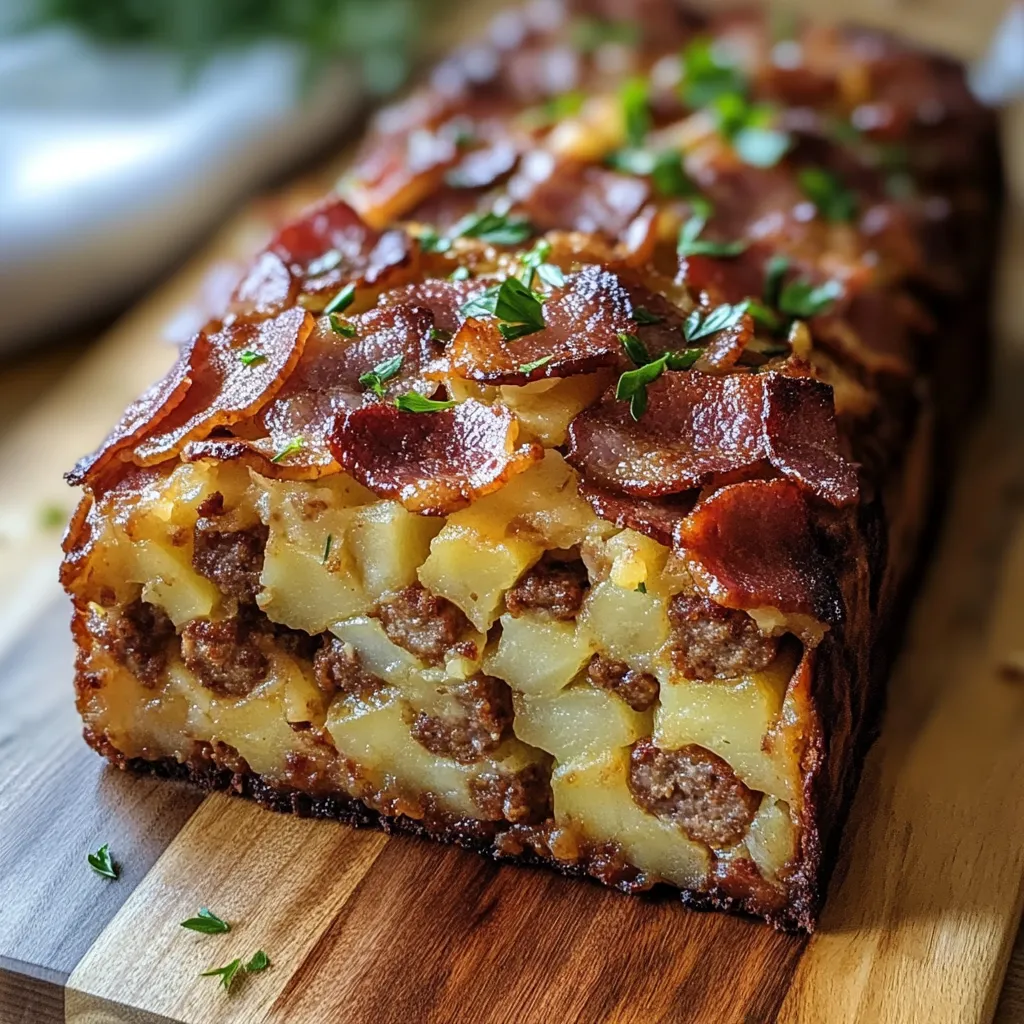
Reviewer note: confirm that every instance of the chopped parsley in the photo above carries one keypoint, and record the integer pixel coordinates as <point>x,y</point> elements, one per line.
<point>665,169</point>
<point>643,316</point>
<point>207,922</point>
<point>632,385</point>
<point>701,325</point>
<point>496,228</point>
<point>102,863</point>
<point>439,334</point>
<point>293,447</point>
<point>832,199</point>
<point>459,274</point>
<point>535,365</point>
<point>342,300</point>
<point>774,273</point>
<point>519,311</point>
<point>554,109</point>
<point>634,98</point>
<point>327,548</point>
<point>431,241</point>
<point>413,401</point>
<point>341,326</point>
<point>691,244</point>
<point>535,264</point>
<point>249,358</point>
<point>748,126</point>
<point>802,299</point>
<point>259,961</point>
<point>641,588</point>
<point>707,74</point>
<point>375,379</point>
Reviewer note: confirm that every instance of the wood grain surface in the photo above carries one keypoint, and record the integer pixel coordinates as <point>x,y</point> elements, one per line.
<point>921,915</point>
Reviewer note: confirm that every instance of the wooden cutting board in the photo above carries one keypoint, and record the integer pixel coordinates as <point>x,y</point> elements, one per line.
<point>922,911</point>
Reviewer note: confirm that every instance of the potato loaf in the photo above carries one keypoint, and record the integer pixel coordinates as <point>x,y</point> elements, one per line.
<point>553,487</point>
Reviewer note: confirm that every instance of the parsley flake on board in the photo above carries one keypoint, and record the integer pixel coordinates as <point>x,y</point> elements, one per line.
<point>535,365</point>
<point>227,973</point>
<point>259,961</point>
<point>207,922</point>
<point>249,358</point>
<point>832,199</point>
<point>342,300</point>
<point>519,311</point>
<point>413,401</point>
<point>802,299</point>
<point>293,447</point>
<point>375,379</point>
<point>691,244</point>
<point>496,228</point>
<point>102,863</point>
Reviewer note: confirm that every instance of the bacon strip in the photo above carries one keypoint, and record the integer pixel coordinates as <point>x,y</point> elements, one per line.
<point>700,427</point>
<point>754,546</point>
<point>433,463</point>
<point>657,518</point>
<point>227,389</point>
<point>584,319</point>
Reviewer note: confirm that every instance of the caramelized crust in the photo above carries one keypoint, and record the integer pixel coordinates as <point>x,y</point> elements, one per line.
<point>553,488</point>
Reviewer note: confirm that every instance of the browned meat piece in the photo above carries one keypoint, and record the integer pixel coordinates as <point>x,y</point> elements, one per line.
<point>488,713</point>
<point>233,559</point>
<point>554,588</point>
<point>138,639</point>
<point>522,798</point>
<point>694,788</point>
<point>225,655</point>
<point>712,642</point>
<point>424,624</point>
<point>336,668</point>
<point>638,689</point>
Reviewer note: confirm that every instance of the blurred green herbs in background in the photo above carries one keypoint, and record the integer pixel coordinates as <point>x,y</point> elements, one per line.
<point>378,34</point>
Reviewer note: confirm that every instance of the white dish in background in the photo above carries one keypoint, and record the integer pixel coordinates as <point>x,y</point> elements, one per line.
<point>111,162</point>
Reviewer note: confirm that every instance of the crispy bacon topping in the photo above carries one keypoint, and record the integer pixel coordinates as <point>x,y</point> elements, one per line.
<point>699,427</point>
<point>229,384</point>
<point>657,518</point>
<point>326,379</point>
<point>433,463</point>
<point>584,319</point>
<point>754,546</point>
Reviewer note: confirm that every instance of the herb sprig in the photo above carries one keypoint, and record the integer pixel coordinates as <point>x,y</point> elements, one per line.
<point>691,244</point>
<point>519,310</point>
<point>832,199</point>
<point>413,401</point>
<point>259,961</point>
<point>102,863</point>
<point>375,379</point>
<point>632,385</point>
<point>206,922</point>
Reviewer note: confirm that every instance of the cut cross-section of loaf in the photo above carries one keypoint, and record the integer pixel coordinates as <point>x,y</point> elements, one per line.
<point>552,488</point>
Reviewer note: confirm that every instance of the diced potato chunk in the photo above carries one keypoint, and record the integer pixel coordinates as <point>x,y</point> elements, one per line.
<point>731,719</point>
<point>578,720</point>
<point>546,407</point>
<point>635,560</point>
<point>627,624</point>
<point>592,796</point>
<point>170,581</point>
<point>389,544</point>
<point>772,837</point>
<point>377,654</point>
<point>537,655</point>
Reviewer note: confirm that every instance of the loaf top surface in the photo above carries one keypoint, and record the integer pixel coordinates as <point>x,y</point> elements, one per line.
<point>698,256</point>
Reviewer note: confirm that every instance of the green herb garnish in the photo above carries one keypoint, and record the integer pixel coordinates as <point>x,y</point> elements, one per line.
<point>227,973</point>
<point>432,241</point>
<point>519,311</point>
<point>832,199</point>
<point>459,274</point>
<point>52,516</point>
<point>632,385</point>
<point>339,325</point>
<point>327,548</point>
<point>774,273</point>
<point>635,348</point>
<point>665,169</point>
<point>375,379</point>
<point>748,126</point>
<point>802,299</point>
<point>701,325</point>
<point>496,228</point>
<point>102,863</point>
<point>707,74</point>
<point>643,316</point>
<point>634,98</point>
<point>691,244</point>
<point>258,962</point>
<point>342,300</point>
<point>641,588</point>
<point>413,401</point>
<point>294,446</point>
<point>535,365</point>
<point>535,264</point>
<point>554,109</point>
<point>249,358</point>
<point>439,334</point>
<point>207,922</point>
